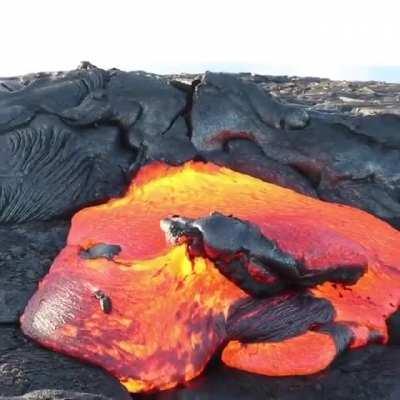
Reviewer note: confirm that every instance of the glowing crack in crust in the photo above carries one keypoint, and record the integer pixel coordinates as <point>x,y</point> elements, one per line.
<point>279,281</point>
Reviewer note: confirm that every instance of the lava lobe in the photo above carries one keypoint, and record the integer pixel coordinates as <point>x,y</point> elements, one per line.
<point>198,258</point>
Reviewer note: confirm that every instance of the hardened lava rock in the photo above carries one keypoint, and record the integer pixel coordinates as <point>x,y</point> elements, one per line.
<point>25,368</point>
<point>335,140</point>
<point>81,130</point>
<point>349,159</point>
<point>26,253</point>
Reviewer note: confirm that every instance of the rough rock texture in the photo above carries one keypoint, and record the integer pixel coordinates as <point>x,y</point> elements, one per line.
<point>26,253</point>
<point>24,368</point>
<point>78,130</point>
<point>366,374</point>
<point>57,395</point>
<point>346,159</point>
<point>357,98</point>
<point>108,123</point>
<point>69,139</point>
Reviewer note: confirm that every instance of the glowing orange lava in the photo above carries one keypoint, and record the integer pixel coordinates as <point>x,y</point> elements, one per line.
<point>169,313</point>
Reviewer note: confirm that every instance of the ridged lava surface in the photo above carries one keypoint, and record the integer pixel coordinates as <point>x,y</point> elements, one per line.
<point>153,315</point>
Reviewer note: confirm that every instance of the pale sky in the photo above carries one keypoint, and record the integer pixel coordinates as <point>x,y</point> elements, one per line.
<point>344,39</point>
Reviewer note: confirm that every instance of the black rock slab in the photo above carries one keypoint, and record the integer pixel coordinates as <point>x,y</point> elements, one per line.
<point>90,95</point>
<point>25,367</point>
<point>26,253</point>
<point>337,140</point>
<point>338,154</point>
<point>366,374</point>
<point>82,130</point>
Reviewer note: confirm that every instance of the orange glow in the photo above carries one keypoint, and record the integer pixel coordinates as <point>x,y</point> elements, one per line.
<point>169,312</point>
<point>301,355</point>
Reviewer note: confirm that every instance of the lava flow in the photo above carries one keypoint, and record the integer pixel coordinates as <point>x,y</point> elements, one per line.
<point>198,258</point>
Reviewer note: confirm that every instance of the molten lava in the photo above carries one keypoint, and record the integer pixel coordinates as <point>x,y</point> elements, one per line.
<point>153,311</point>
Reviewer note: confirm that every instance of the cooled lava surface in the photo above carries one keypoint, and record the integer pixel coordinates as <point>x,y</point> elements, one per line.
<point>198,258</point>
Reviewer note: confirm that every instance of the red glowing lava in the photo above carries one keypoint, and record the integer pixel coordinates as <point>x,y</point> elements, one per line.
<point>168,313</point>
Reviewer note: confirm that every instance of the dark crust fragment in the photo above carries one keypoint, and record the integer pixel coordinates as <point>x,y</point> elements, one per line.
<point>277,318</point>
<point>100,250</point>
<point>238,246</point>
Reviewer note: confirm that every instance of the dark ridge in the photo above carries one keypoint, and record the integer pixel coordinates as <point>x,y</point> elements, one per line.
<point>277,318</point>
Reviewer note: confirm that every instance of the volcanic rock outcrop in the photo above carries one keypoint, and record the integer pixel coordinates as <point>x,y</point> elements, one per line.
<point>74,139</point>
